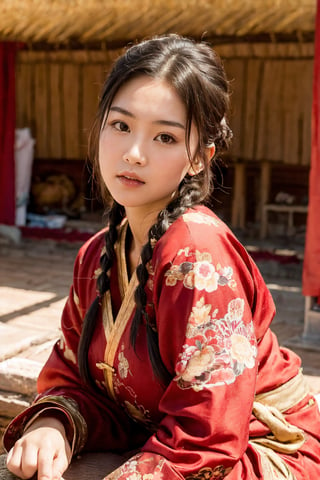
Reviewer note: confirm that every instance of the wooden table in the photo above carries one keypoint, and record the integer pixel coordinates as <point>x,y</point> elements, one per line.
<point>290,210</point>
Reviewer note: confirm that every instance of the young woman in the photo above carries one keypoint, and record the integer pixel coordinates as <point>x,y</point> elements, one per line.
<point>166,355</point>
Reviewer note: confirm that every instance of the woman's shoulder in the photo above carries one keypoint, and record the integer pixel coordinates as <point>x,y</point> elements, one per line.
<point>200,229</point>
<point>202,219</point>
<point>198,226</point>
<point>91,250</point>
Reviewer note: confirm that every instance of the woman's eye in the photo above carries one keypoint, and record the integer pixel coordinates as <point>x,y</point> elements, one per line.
<point>165,138</point>
<point>121,126</point>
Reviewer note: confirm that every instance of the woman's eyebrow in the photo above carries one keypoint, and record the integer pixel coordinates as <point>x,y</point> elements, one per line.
<point>157,122</point>
<point>121,110</point>
<point>170,123</point>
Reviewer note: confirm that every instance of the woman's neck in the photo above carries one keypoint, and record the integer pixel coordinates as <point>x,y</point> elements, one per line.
<point>139,228</point>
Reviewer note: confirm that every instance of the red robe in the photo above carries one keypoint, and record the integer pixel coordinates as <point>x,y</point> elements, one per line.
<point>212,311</point>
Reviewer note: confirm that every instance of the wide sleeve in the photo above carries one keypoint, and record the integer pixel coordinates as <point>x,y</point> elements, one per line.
<point>92,420</point>
<point>205,299</point>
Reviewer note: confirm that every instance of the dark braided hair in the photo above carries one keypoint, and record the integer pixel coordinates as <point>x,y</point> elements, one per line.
<point>115,215</point>
<point>189,195</point>
<point>197,75</point>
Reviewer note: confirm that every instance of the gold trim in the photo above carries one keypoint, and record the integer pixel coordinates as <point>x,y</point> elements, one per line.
<point>287,395</point>
<point>114,329</point>
<point>124,315</point>
<point>69,406</point>
<point>107,315</point>
<point>273,466</point>
<point>284,437</point>
<point>120,249</point>
<point>269,408</point>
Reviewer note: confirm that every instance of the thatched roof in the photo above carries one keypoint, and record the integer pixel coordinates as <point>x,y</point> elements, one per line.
<point>112,21</point>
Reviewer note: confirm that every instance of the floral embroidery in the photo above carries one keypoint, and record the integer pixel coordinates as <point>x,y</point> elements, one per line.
<point>217,350</point>
<point>207,473</point>
<point>77,304</point>
<point>200,315</point>
<point>201,274</point>
<point>198,217</point>
<point>205,277</point>
<point>135,410</point>
<point>67,352</point>
<point>139,468</point>
<point>123,365</point>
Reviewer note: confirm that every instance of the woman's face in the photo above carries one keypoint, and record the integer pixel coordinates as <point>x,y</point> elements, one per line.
<point>142,150</point>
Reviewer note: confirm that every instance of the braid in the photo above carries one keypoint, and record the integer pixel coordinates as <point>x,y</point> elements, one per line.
<point>114,217</point>
<point>189,196</point>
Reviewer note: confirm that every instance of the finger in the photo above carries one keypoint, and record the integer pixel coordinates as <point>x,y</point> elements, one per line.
<point>9,456</point>
<point>14,460</point>
<point>29,461</point>
<point>60,465</point>
<point>45,464</point>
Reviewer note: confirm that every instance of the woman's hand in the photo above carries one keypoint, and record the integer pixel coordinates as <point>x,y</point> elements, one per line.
<point>43,448</point>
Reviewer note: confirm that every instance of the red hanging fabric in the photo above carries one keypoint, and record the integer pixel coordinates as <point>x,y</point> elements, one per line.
<point>7,132</point>
<point>311,266</point>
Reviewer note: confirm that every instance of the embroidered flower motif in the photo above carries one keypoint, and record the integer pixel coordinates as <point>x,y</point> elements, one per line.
<point>241,350</point>
<point>123,365</point>
<point>173,276</point>
<point>217,350</point>
<point>225,274</point>
<point>199,217</point>
<point>207,473</point>
<point>183,251</point>
<point>67,352</point>
<point>77,304</point>
<point>200,274</point>
<point>199,317</point>
<point>134,411</point>
<point>205,276</point>
<point>235,310</point>
<point>199,364</point>
<point>200,313</point>
<point>203,256</point>
<point>139,467</point>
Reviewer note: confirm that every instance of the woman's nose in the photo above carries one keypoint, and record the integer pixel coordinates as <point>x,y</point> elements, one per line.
<point>135,154</point>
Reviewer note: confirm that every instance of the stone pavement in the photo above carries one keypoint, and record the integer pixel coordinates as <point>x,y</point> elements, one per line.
<point>35,276</point>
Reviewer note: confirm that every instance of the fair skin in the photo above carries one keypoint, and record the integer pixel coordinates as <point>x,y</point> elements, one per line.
<point>43,448</point>
<point>143,158</point>
<point>142,153</point>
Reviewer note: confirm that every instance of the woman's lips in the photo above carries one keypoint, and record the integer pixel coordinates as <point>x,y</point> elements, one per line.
<point>130,179</point>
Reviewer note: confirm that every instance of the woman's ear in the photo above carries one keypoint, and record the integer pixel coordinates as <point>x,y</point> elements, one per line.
<point>195,168</point>
<point>210,151</point>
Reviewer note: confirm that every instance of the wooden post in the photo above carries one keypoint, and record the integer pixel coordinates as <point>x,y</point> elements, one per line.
<point>238,216</point>
<point>264,197</point>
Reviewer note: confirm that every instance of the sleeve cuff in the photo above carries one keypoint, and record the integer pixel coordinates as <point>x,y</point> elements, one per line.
<point>65,409</point>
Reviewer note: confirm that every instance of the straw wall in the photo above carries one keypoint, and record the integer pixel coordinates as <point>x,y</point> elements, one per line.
<point>272,100</point>
<point>57,95</point>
